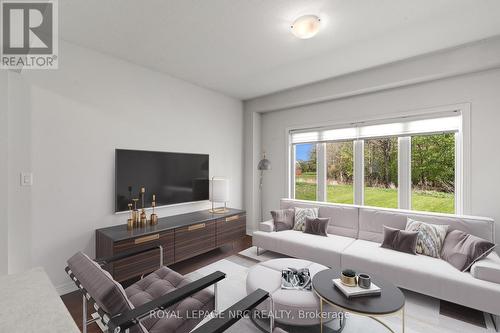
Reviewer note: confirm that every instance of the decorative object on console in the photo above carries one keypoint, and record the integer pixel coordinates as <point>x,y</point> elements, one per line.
<point>430,237</point>
<point>300,217</point>
<point>144,218</point>
<point>154,217</point>
<point>130,220</point>
<point>219,192</point>
<point>135,213</point>
<point>316,226</point>
<point>348,277</point>
<point>400,240</point>
<point>264,165</point>
<point>283,219</point>
<point>462,250</point>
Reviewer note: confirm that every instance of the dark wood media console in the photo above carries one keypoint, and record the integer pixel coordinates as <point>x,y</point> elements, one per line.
<point>181,236</point>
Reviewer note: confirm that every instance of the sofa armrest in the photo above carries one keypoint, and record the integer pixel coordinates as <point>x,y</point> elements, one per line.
<point>267,226</point>
<point>487,269</point>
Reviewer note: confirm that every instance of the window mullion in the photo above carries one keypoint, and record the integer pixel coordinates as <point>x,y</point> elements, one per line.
<point>321,173</point>
<point>293,163</point>
<point>359,172</point>
<point>404,172</point>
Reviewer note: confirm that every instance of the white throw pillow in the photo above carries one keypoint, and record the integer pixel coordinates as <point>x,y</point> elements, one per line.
<point>300,217</point>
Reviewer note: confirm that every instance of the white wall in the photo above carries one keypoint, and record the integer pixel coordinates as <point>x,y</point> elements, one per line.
<point>252,193</point>
<point>480,89</point>
<point>65,126</point>
<point>3,172</point>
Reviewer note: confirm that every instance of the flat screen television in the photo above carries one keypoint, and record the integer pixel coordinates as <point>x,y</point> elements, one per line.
<point>173,177</point>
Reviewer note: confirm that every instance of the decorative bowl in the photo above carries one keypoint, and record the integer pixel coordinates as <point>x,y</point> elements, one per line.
<point>348,278</point>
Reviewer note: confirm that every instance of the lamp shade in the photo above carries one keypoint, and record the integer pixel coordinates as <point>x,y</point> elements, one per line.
<point>219,190</point>
<point>264,164</point>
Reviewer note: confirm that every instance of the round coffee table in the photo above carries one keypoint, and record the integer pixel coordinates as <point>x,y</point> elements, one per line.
<point>391,300</point>
<point>290,306</point>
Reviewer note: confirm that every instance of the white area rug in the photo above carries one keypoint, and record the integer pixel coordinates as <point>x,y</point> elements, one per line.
<point>422,312</point>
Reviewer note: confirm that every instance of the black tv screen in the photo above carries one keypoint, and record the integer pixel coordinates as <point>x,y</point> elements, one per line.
<point>172,177</point>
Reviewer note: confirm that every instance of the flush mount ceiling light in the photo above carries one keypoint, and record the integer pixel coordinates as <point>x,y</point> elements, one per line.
<point>306,26</point>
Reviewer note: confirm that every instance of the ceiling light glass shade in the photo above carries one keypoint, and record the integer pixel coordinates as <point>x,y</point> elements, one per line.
<point>306,26</point>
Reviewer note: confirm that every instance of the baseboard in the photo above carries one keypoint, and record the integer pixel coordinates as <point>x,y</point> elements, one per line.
<point>66,288</point>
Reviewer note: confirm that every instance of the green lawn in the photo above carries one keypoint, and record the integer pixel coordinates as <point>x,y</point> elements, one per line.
<point>430,201</point>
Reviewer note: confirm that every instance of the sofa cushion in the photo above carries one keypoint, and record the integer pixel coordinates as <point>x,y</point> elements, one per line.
<point>316,226</point>
<point>161,282</point>
<point>423,274</point>
<point>323,250</point>
<point>430,237</point>
<point>300,217</point>
<point>372,220</point>
<point>343,218</point>
<point>462,250</point>
<point>283,219</point>
<point>487,269</point>
<point>400,240</point>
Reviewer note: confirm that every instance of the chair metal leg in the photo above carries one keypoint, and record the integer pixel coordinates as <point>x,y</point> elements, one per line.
<point>403,318</point>
<point>496,322</point>
<point>216,298</point>
<point>271,315</point>
<point>258,251</point>
<point>84,314</point>
<point>161,255</point>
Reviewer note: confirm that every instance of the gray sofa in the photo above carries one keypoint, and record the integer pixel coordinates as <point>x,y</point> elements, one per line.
<point>354,237</point>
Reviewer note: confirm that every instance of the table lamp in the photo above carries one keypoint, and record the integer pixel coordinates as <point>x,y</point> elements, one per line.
<point>219,192</point>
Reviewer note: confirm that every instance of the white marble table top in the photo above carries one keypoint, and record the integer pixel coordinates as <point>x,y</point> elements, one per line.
<point>30,303</point>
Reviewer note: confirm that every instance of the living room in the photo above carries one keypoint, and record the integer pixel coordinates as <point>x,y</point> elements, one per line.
<point>221,150</point>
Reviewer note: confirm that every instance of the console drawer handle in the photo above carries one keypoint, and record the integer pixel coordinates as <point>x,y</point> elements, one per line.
<point>146,239</point>
<point>196,226</point>
<point>232,218</point>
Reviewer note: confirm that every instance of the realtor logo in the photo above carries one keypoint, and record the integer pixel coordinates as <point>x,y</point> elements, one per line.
<point>29,34</point>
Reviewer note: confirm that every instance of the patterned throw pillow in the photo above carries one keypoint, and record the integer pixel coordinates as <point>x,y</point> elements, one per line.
<point>300,217</point>
<point>430,237</point>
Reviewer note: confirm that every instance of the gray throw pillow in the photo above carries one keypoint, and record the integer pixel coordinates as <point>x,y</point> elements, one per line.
<point>316,225</point>
<point>300,217</point>
<point>283,219</point>
<point>430,237</point>
<point>462,250</point>
<point>400,240</point>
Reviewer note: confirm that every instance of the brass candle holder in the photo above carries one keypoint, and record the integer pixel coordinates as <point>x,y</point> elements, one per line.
<point>130,220</point>
<point>154,217</point>
<point>135,213</point>
<point>144,218</point>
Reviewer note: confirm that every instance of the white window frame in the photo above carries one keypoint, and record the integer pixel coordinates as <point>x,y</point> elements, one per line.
<point>462,159</point>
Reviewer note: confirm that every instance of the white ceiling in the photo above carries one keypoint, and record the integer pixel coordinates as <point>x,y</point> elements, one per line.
<point>243,48</point>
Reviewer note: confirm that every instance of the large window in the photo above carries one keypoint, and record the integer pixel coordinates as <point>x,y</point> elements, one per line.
<point>306,187</point>
<point>381,172</point>
<point>408,163</point>
<point>339,172</point>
